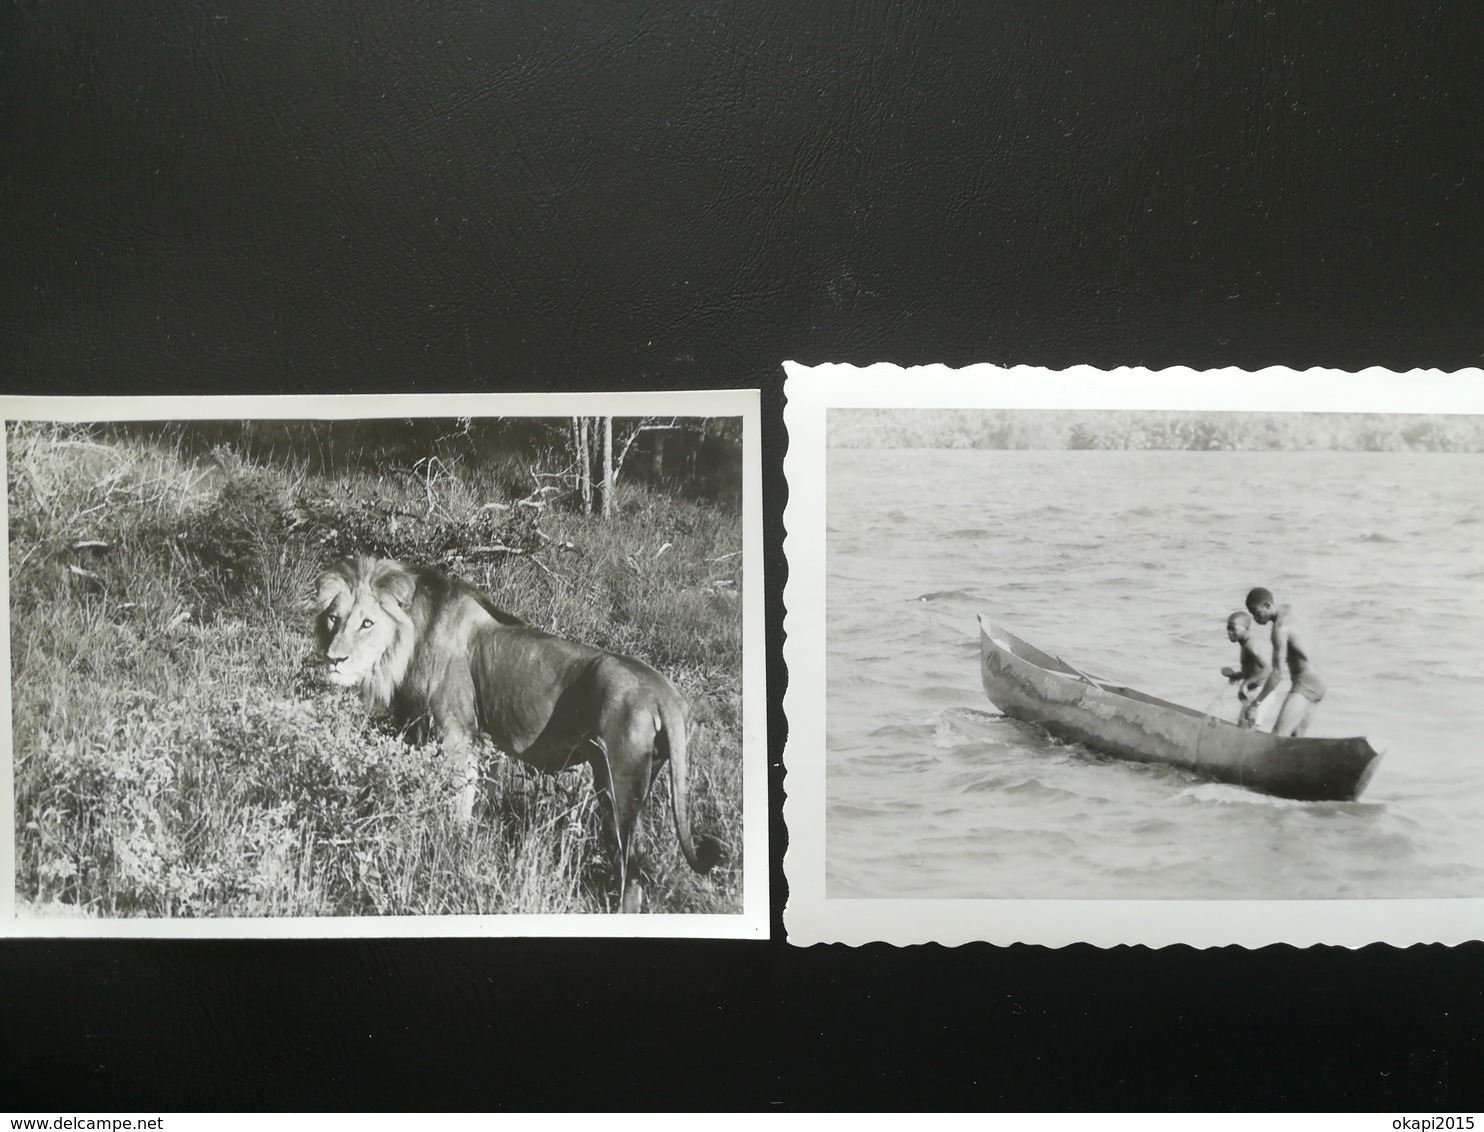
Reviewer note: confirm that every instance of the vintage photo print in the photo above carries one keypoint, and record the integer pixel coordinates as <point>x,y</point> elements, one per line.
<point>1134,657</point>
<point>385,666</point>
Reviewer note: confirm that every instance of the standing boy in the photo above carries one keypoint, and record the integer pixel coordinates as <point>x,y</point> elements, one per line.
<point>1290,658</point>
<point>1252,673</point>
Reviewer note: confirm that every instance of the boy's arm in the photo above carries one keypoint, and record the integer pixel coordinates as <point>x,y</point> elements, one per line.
<point>1280,650</point>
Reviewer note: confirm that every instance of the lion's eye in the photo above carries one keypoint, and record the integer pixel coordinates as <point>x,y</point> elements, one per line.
<point>366,624</point>
<point>331,620</point>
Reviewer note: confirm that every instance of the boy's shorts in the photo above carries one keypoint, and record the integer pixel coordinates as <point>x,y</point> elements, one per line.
<point>1309,686</point>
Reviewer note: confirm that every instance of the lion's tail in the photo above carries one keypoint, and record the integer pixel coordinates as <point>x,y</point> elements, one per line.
<point>702,852</point>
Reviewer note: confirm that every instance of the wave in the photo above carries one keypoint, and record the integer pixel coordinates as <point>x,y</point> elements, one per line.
<point>1375,536</point>
<point>903,731</point>
<point>1022,790</point>
<point>976,715</point>
<point>1034,790</point>
<point>1223,793</point>
<point>1154,826</point>
<point>1226,794</point>
<point>1425,672</point>
<point>952,733</point>
<point>945,595</point>
<point>1451,671</point>
<point>868,810</point>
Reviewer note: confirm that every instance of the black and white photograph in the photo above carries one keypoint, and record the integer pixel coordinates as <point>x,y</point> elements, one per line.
<point>480,668</point>
<point>1149,654</point>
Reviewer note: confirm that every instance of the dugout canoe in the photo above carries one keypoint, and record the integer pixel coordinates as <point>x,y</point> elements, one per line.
<point>1028,684</point>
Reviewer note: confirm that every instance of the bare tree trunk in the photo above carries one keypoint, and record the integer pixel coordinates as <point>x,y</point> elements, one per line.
<point>607,467</point>
<point>574,439</point>
<point>584,465</point>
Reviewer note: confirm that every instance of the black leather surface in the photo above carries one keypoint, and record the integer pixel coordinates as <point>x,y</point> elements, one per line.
<point>360,196</point>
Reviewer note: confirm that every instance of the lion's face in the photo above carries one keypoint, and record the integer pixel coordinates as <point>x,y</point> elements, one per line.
<point>362,628</point>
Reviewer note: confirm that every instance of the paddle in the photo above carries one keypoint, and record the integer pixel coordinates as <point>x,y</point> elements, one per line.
<point>1208,722</point>
<point>1216,697</point>
<point>1079,672</point>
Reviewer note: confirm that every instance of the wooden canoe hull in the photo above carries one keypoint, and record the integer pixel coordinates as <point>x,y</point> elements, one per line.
<point>1027,684</point>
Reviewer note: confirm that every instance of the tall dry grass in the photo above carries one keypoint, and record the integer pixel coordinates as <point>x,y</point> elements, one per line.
<point>174,756</point>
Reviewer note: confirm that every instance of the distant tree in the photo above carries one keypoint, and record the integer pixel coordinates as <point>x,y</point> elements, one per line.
<point>1428,436</point>
<point>601,448</point>
<point>1082,438</point>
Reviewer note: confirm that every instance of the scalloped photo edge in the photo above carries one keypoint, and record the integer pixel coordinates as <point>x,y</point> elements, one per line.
<point>813,914</point>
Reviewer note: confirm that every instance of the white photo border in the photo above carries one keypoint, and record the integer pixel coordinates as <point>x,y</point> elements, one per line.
<point>810,917</point>
<point>751,923</point>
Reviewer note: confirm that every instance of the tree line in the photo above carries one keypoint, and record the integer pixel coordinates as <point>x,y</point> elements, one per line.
<point>1153,429</point>
<point>581,457</point>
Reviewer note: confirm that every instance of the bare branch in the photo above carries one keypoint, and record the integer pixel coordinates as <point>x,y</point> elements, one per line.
<point>633,436</point>
<point>560,544</point>
<point>79,444</point>
<point>537,562</point>
<point>494,548</point>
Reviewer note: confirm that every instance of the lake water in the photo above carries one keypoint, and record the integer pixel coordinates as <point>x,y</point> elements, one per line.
<point>1127,564</point>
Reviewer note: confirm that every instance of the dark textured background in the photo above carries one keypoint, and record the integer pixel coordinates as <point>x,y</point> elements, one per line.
<point>354,195</point>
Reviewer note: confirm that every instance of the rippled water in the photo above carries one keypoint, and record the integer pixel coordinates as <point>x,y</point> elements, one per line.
<point>1127,564</point>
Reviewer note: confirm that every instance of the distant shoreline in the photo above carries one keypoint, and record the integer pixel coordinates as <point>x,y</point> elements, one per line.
<point>1153,430</point>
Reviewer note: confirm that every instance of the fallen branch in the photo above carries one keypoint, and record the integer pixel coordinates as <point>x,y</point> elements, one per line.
<point>79,444</point>
<point>559,544</point>
<point>545,570</point>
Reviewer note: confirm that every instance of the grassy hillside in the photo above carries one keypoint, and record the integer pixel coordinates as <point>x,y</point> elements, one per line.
<point>1152,429</point>
<point>176,756</point>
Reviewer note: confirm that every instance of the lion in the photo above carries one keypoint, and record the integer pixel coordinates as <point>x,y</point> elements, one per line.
<point>447,662</point>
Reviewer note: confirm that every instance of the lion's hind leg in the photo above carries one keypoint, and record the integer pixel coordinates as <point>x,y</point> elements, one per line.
<point>622,773</point>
